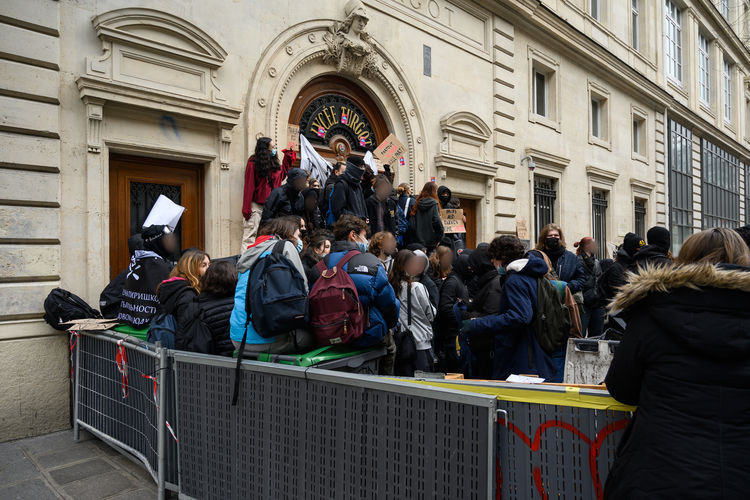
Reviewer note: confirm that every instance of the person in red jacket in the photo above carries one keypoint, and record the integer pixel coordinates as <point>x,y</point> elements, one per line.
<point>263,173</point>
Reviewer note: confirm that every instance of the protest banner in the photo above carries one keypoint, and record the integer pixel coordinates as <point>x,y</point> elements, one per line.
<point>522,230</point>
<point>453,220</point>
<point>292,134</point>
<point>390,150</point>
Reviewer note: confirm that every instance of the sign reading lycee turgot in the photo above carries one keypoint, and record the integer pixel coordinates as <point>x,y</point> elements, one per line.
<point>390,150</point>
<point>453,220</point>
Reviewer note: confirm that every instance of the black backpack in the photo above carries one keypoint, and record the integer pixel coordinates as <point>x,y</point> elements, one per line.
<point>61,306</point>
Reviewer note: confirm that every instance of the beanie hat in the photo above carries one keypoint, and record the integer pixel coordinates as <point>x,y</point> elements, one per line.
<point>295,173</point>
<point>659,237</point>
<point>631,243</point>
<point>356,160</point>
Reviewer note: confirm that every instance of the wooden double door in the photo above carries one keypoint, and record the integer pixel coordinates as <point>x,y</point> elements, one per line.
<point>134,185</point>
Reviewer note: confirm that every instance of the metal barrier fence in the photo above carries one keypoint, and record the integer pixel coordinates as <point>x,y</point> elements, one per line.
<point>308,433</point>
<point>120,395</point>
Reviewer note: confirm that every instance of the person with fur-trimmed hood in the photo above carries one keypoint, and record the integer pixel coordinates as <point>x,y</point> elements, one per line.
<point>685,362</point>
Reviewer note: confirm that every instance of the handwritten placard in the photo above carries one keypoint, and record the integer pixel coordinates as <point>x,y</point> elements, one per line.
<point>292,134</point>
<point>522,230</point>
<point>453,220</point>
<point>390,150</point>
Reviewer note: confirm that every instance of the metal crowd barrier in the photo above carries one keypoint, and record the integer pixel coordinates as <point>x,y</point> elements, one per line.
<point>309,433</point>
<point>316,434</point>
<point>121,394</point>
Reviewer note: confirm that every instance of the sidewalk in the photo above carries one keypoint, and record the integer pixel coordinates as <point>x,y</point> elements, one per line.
<point>53,466</point>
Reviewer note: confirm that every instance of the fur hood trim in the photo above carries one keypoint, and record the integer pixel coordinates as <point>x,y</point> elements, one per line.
<point>662,279</point>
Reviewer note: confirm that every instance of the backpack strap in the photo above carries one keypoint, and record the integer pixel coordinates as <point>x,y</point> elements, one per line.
<point>278,248</point>
<point>346,258</point>
<point>408,306</point>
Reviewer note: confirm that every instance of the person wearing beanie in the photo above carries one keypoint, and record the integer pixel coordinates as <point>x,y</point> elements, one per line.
<point>148,268</point>
<point>656,253</point>
<point>283,199</point>
<point>347,196</point>
<point>614,276</point>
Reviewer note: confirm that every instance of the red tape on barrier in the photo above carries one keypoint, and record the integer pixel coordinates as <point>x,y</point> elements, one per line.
<point>169,427</point>
<point>121,358</point>
<point>72,342</point>
<point>153,379</point>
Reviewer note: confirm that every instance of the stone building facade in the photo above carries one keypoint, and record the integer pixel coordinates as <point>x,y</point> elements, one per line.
<point>604,116</point>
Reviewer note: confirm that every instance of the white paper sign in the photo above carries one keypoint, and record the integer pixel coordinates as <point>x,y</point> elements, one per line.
<point>165,212</point>
<point>370,161</point>
<point>521,379</point>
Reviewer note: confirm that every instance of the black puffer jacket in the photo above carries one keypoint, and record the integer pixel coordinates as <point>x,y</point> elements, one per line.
<point>389,207</point>
<point>179,299</point>
<point>347,196</point>
<point>216,312</point>
<point>685,361</point>
<point>426,226</point>
<point>453,289</point>
<point>650,254</point>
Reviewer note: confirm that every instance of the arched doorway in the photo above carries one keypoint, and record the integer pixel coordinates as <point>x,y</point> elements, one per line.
<point>338,118</point>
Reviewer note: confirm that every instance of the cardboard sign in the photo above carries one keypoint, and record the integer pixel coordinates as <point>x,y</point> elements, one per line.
<point>453,220</point>
<point>292,134</point>
<point>522,231</point>
<point>390,150</point>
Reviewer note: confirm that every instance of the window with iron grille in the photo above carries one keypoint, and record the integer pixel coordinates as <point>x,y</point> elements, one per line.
<point>599,220</point>
<point>673,40</point>
<point>720,172</point>
<point>639,209</point>
<point>545,195</point>
<point>680,184</point>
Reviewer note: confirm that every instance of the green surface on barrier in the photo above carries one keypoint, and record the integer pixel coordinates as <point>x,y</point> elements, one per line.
<point>133,332</point>
<point>316,357</point>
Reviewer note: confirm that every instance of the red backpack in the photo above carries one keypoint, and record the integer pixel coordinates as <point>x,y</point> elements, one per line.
<point>336,316</point>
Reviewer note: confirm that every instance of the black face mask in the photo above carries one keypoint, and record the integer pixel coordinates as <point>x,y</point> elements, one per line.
<point>552,243</point>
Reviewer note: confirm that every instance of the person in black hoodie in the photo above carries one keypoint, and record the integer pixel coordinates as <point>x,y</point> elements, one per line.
<point>325,196</point>
<point>284,200</point>
<point>614,276</point>
<point>318,246</point>
<point>216,300</point>
<point>178,296</point>
<point>685,362</point>
<point>489,283</point>
<point>382,210</point>
<point>307,208</point>
<point>425,224</point>
<point>656,253</point>
<point>446,323</point>
<point>148,267</point>
<point>347,197</point>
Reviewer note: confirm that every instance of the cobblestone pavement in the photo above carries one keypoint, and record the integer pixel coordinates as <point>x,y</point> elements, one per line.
<point>53,466</point>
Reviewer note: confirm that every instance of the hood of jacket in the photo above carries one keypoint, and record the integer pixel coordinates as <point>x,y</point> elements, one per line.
<point>444,192</point>
<point>703,306</point>
<point>249,256</point>
<point>423,256</point>
<point>171,290</point>
<point>480,260</point>
<point>294,174</point>
<point>623,257</point>
<point>532,266</point>
<point>649,252</point>
<point>353,174</point>
<point>462,265</point>
<point>426,204</point>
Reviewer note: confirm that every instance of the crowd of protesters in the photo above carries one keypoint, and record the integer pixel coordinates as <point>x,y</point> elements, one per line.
<point>357,261</point>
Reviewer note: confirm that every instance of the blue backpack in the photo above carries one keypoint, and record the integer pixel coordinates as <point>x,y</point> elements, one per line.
<point>162,329</point>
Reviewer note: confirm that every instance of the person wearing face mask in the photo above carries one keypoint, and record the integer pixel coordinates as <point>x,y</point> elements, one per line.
<point>286,199</point>
<point>347,197</point>
<point>318,247</point>
<point>264,173</point>
<point>566,265</point>
<point>282,228</point>
<point>515,348</point>
<point>366,271</point>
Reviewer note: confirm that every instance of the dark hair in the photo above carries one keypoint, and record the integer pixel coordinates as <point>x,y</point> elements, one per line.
<point>455,202</point>
<point>582,243</point>
<point>744,232</point>
<point>376,242</point>
<point>220,279</point>
<point>346,224</point>
<point>398,270</point>
<point>506,248</point>
<point>283,227</point>
<point>715,246</point>
<point>429,190</point>
<point>339,165</point>
<point>314,240</point>
<point>265,164</point>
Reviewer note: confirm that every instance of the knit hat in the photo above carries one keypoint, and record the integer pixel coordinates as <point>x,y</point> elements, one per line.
<point>631,243</point>
<point>295,173</point>
<point>659,237</point>
<point>356,160</point>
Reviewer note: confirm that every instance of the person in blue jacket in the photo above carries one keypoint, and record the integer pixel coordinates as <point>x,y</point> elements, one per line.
<point>566,264</point>
<point>368,274</point>
<point>516,350</point>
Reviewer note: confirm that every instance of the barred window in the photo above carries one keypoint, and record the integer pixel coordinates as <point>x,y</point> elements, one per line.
<point>680,184</point>
<point>545,195</point>
<point>639,217</point>
<point>720,172</point>
<point>673,40</point>
<point>599,220</point>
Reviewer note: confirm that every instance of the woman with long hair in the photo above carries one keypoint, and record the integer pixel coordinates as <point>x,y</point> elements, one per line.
<point>216,301</point>
<point>264,172</point>
<point>685,362</point>
<point>592,317</point>
<point>178,295</point>
<point>441,264</point>
<point>383,246</point>
<point>415,317</point>
<point>425,223</point>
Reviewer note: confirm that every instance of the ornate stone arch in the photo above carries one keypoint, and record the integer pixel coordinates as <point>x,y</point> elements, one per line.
<point>295,57</point>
